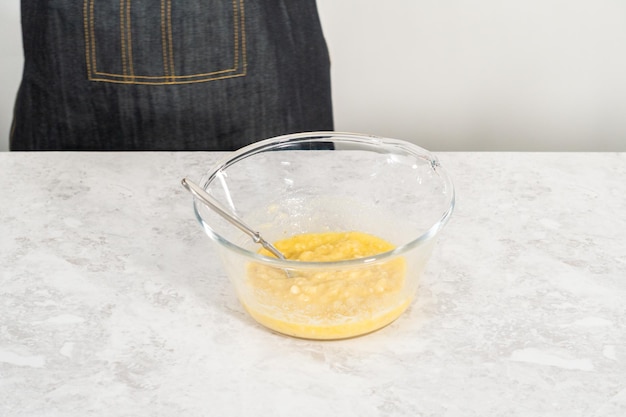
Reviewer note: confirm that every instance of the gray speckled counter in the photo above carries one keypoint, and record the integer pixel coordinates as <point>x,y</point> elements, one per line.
<point>113,302</point>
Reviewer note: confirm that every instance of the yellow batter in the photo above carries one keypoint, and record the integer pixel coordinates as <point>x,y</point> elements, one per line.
<point>328,303</point>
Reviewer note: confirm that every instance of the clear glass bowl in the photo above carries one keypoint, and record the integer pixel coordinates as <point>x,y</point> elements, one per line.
<point>320,182</point>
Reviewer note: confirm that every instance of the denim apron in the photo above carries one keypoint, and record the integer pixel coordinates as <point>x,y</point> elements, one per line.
<point>169,74</point>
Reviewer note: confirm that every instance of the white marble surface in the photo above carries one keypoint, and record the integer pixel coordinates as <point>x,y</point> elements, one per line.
<point>113,303</point>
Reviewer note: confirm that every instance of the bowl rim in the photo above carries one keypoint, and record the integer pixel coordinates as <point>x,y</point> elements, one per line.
<point>320,136</point>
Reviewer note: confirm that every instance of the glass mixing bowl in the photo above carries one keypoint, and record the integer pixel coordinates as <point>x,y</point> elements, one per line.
<point>326,182</point>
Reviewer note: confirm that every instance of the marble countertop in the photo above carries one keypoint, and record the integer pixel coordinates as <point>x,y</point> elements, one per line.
<point>113,301</point>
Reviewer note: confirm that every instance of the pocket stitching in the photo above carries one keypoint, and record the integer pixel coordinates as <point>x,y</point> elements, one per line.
<point>129,77</point>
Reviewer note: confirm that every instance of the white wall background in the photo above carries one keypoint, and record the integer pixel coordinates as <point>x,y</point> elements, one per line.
<point>481,75</point>
<point>10,65</point>
<point>456,74</point>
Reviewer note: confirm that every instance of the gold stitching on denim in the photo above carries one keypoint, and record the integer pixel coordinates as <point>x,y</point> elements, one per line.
<point>123,36</point>
<point>126,41</point>
<point>170,39</point>
<point>243,38</point>
<point>131,66</point>
<point>93,35</point>
<point>236,29</point>
<point>129,77</point>
<point>87,40</point>
<point>164,40</point>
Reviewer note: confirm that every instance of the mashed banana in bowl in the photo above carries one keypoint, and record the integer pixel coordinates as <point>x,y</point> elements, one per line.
<point>328,303</point>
